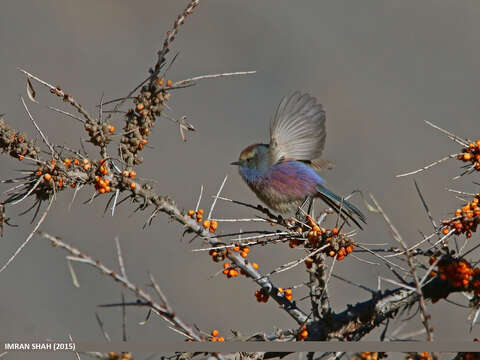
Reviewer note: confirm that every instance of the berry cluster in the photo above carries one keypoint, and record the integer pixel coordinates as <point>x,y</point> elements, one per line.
<point>471,154</point>
<point>340,244</point>
<point>148,104</point>
<point>288,293</point>
<point>122,356</point>
<point>100,134</point>
<point>211,225</point>
<point>218,255</point>
<point>419,356</point>
<point>459,273</point>
<point>16,144</point>
<point>52,179</point>
<point>215,336</point>
<point>230,271</point>
<point>302,333</point>
<point>466,219</point>
<point>261,295</point>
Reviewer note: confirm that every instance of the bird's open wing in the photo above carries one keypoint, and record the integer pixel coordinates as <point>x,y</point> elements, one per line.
<point>297,131</point>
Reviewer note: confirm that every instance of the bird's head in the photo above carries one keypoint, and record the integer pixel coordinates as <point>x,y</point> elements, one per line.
<point>253,157</point>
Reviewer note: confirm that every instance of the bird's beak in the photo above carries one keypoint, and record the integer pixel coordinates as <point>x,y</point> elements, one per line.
<point>235,163</point>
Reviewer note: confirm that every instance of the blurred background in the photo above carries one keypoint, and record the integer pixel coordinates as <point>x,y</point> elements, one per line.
<point>380,68</point>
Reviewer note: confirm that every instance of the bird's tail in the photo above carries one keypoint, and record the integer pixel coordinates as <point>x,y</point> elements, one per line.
<point>340,206</point>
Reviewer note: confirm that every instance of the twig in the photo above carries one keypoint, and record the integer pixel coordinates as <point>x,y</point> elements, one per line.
<point>216,197</point>
<point>45,140</point>
<point>180,325</point>
<point>29,237</point>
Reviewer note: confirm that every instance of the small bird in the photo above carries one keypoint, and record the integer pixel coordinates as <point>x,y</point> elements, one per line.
<point>283,174</point>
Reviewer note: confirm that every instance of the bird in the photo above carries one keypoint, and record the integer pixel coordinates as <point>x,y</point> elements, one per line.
<point>284,173</point>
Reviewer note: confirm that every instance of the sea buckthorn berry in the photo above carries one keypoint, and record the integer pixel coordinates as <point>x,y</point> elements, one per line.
<point>160,81</point>
<point>226,265</point>
<point>206,224</point>
<point>308,263</point>
<point>111,128</point>
<point>169,83</point>
<point>243,254</point>
<point>334,231</point>
<point>200,211</point>
<point>213,225</point>
<point>221,339</point>
<point>140,107</point>
<point>331,253</point>
<point>215,333</point>
<point>132,174</point>
<point>191,213</point>
<point>236,248</point>
<point>255,266</point>
<point>246,250</point>
<point>47,177</point>
<point>133,185</point>
<point>101,190</point>
<point>76,162</point>
<point>445,231</point>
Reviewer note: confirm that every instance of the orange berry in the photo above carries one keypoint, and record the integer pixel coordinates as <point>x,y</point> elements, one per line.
<point>169,83</point>
<point>190,213</point>
<point>101,190</point>
<point>108,188</point>
<point>140,107</point>
<point>334,231</point>
<point>213,225</point>
<point>304,334</point>
<point>215,333</point>
<point>206,224</point>
<point>331,253</point>
<point>133,185</point>
<point>225,272</point>
<point>132,174</point>
<point>73,185</point>
<point>38,173</point>
<point>160,81</point>
<point>236,248</point>
<point>86,167</point>
<point>246,250</point>
<point>255,266</point>
<point>111,128</point>
<point>445,231</point>
<point>221,339</point>
<point>467,157</point>
<point>280,290</point>
<point>47,177</point>
<point>226,265</point>
<point>76,162</point>
<point>243,254</point>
